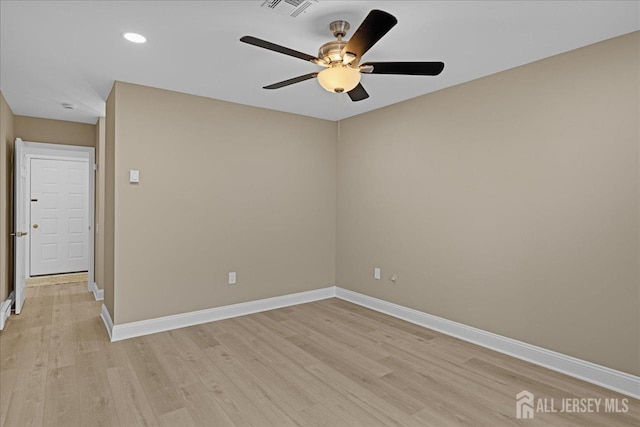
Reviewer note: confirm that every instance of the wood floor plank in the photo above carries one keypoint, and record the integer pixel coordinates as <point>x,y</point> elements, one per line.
<point>26,407</point>
<point>378,406</point>
<point>433,368</point>
<point>254,328</point>
<point>278,352</point>
<point>40,311</point>
<point>320,416</point>
<point>62,346</point>
<point>264,368</point>
<point>130,401</point>
<point>83,325</point>
<point>273,325</point>
<point>234,403</point>
<point>442,398</point>
<point>97,407</point>
<point>61,408</point>
<point>350,356</point>
<point>8,379</point>
<point>347,319</point>
<point>204,408</point>
<point>12,342</point>
<point>115,353</point>
<point>152,375</point>
<point>353,371</point>
<point>179,417</point>
<point>268,402</point>
<point>177,373</point>
<point>201,336</point>
<point>328,326</point>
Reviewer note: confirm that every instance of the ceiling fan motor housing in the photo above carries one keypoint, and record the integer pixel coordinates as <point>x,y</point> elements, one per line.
<point>330,52</point>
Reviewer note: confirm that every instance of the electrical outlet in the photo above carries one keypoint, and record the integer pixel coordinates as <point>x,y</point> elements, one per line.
<point>376,273</point>
<point>232,278</point>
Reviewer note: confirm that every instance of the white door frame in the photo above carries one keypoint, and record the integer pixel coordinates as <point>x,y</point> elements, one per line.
<point>19,225</point>
<point>39,150</point>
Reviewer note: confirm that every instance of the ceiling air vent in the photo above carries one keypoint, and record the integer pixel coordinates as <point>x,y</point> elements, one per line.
<point>292,8</point>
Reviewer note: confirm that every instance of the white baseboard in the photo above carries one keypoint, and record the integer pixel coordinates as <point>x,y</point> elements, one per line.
<point>160,324</point>
<point>106,318</point>
<point>98,293</point>
<point>600,375</point>
<point>5,309</point>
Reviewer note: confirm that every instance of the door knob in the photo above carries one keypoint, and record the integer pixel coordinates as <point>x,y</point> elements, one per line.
<point>35,225</point>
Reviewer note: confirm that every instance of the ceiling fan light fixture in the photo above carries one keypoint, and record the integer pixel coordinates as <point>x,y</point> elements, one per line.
<point>339,78</point>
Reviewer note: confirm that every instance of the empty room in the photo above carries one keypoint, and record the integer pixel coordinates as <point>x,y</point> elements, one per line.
<point>319,213</point>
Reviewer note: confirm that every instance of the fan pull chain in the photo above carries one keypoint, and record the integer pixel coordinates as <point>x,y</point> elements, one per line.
<point>339,114</point>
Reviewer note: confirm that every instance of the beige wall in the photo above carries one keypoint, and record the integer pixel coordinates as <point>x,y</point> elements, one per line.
<point>100,202</point>
<point>223,187</point>
<point>108,254</point>
<point>54,131</point>
<point>6,163</point>
<point>510,203</point>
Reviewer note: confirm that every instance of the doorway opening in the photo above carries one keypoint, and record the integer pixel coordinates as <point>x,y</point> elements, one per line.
<point>54,215</point>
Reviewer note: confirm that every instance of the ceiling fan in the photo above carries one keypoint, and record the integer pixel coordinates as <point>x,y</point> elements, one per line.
<point>341,59</point>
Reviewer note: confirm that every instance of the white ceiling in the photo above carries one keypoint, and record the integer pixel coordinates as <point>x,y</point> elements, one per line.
<point>55,52</point>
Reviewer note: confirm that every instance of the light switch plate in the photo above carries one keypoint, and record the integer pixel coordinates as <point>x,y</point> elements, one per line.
<point>134,176</point>
<point>232,278</point>
<point>376,273</point>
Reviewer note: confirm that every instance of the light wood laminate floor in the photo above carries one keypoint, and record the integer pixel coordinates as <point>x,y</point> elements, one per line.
<point>327,363</point>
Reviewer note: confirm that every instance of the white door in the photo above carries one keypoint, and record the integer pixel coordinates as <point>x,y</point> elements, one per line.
<point>20,224</point>
<point>59,233</point>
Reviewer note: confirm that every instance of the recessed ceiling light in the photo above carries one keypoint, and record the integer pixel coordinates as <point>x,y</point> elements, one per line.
<point>135,38</point>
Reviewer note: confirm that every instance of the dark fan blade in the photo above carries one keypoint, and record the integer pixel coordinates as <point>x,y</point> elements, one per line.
<point>374,26</point>
<point>408,68</point>
<point>277,48</point>
<point>358,93</point>
<point>291,81</point>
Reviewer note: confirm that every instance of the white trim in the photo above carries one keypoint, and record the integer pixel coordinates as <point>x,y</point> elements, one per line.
<point>5,309</point>
<point>600,375</point>
<point>106,318</point>
<point>20,224</point>
<point>166,323</point>
<point>98,293</point>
